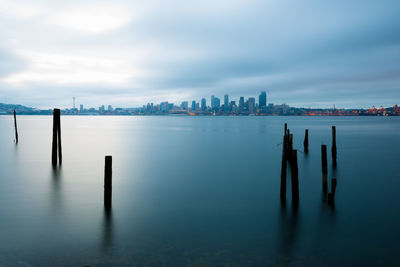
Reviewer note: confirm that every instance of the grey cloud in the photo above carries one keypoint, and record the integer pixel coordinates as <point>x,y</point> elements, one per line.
<point>303,53</point>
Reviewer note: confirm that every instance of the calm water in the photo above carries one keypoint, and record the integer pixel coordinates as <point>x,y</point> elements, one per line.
<point>197,191</point>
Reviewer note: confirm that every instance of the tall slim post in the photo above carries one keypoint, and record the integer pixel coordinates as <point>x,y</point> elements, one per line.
<point>285,128</point>
<point>334,152</point>
<point>59,138</point>
<point>15,126</point>
<point>324,163</point>
<point>295,177</point>
<point>107,182</point>
<point>56,144</point>
<point>283,170</point>
<point>306,142</point>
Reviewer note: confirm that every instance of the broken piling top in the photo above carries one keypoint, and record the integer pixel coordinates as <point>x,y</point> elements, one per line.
<point>15,126</point>
<point>107,182</point>
<point>108,171</point>
<point>306,141</point>
<point>56,145</point>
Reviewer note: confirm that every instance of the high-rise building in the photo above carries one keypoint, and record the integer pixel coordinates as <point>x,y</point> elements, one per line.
<point>241,104</point>
<point>184,105</point>
<point>81,108</point>
<point>262,100</point>
<point>216,104</point>
<point>212,102</point>
<point>252,105</point>
<point>110,109</point>
<point>203,104</point>
<point>226,103</point>
<point>193,105</point>
<point>164,107</point>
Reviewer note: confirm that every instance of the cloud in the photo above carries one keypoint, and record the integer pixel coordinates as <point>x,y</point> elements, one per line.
<point>131,52</point>
<point>94,19</point>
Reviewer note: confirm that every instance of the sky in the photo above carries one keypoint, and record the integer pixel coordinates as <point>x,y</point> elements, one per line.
<point>308,53</point>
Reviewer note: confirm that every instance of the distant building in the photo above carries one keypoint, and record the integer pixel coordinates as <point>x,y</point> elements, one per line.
<point>81,108</point>
<point>262,100</point>
<point>226,103</point>
<point>102,108</point>
<point>164,107</point>
<point>193,105</point>
<point>185,105</point>
<point>252,105</point>
<point>110,109</point>
<point>203,104</point>
<point>241,104</point>
<point>217,104</point>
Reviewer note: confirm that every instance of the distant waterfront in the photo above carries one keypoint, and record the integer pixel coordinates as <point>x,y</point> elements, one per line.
<point>171,109</point>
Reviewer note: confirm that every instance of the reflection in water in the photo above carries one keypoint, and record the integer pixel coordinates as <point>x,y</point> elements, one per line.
<point>288,229</point>
<point>107,228</point>
<point>56,175</point>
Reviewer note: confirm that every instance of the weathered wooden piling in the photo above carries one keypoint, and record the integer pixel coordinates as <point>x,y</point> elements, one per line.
<point>15,126</point>
<point>295,177</point>
<point>334,152</point>
<point>290,145</point>
<point>306,141</point>
<point>324,163</point>
<point>283,169</point>
<point>107,181</point>
<point>285,128</point>
<point>331,196</point>
<point>56,145</point>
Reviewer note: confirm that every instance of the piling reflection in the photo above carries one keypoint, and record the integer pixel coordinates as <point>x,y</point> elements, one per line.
<point>56,180</point>
<point>107,228</point>
<point>288,229</point>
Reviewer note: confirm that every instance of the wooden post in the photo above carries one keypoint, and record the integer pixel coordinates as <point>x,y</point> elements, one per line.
<point>306,142</point>
<point>15,126</point>
<point>59,138</point>
<point>56,145</point>
<point>334,152</point>
<point>107,181</point>
<point>324,163</point>
<point>285,128</point>
<point>290,145</point>
<point>295,178</point>
<point>283,170</point>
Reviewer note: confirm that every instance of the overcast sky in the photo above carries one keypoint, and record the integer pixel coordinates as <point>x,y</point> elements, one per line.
<point>310,53</point>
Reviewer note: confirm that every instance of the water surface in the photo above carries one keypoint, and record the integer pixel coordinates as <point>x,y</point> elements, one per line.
<point>197,191</point>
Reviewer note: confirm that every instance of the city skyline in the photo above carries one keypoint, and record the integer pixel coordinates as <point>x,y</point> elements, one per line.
<point>130,53</point>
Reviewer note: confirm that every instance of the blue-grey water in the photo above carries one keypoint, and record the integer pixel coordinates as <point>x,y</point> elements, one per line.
<point>198,191</point>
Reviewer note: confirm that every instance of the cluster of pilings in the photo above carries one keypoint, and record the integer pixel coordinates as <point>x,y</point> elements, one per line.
<point>289,155</point>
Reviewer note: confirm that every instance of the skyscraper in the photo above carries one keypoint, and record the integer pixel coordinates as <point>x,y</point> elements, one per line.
<point>203,104</point>
<point>193,105</point>
<point>217,104</point>
<point>252,105</point>
<point>226,103</point>
<point>262,100</point>
<point>241,104</point>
